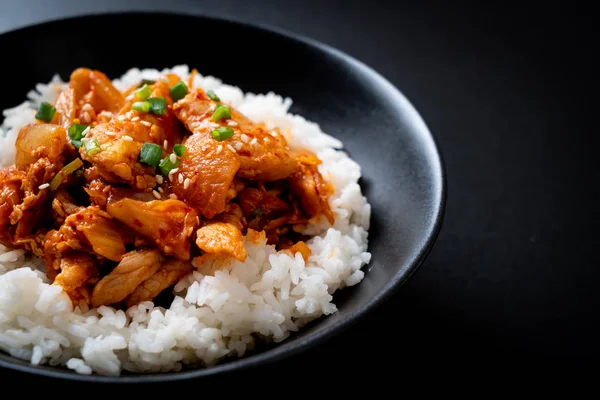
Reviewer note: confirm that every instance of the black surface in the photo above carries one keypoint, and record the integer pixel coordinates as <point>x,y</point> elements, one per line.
<point>402,173</point>
<point>509,90</point>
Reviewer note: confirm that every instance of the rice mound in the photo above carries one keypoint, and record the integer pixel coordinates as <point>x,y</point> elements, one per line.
<point>266,297</point>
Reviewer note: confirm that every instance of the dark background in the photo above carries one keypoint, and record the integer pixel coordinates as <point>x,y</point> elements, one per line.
<point>509,91</point>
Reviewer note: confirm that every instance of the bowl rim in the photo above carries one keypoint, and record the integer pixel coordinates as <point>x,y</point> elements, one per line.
<point>284,349</point>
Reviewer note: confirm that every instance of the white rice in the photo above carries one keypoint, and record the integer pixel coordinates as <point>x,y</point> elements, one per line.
<point>269,296</point>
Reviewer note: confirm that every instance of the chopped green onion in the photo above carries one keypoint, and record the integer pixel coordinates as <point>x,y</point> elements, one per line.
<point>76,143</point>
<point>146,82</point>
<point>221,112</point>
<point>141,106</point>
<point>178,91</point>
<point>45,112</point>
<point>143,93</point>
<point>211,95</point>
<point>76,131</point>
<point>158,105</point>
<point>179,149</point>
<point>64,172</point>
<point>222,133</point>
<point>92,146</point>
<point>151,154</point>
<point>167,165</point>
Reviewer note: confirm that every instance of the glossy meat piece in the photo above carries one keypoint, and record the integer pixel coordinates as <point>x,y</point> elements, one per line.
<point>168,223</point>
<point>33,243</point>
<point>31,212</point>
<point>161,127</point>
<point>171,272</point>
<point>94,88</point>
<point>118,160</point>
<point>36,141</point>
<point>63,205</point>
<point>135,268</point>
<point>221,239</point>
<point>262,156</point>
<point>261,208</point>
<point>210,168</point>
<point>10,195</point>
<point>77,273</point>
<point>91,227</point>
<point>66,108</point>
<point>100,192</point>
<point>312,191</point>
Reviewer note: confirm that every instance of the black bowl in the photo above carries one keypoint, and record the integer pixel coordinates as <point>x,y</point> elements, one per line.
<point>403,176</point>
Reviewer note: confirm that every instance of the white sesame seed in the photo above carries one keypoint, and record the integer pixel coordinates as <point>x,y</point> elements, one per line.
<point>159,179</point>
<point>230,147</point>
<point>197,220</point>
<point>186,183</point>
<point>85,139</point>
<point>85,118</point>
<point>266,140</point>
<point>173,196</point>
<point>129,114</point>
<point>238,146</point>
<point>173,158</point>
<point>135,119</point>
<point>245,138</point>
<point>156,194</point>
<point>130,97</point>
<point>173,171</point>
<point>87,107</point>
<point>86,131</point>
<point>146,123</point>
<point>232,123</point>
<point>170,177</point>
<point>180,178</point>
<point>121,118</point>
<point>212,106</point>
<point>273,133</point>
<point>254,142</point>
<point>160,190</point>
<point>127,138</point>
<point>165,144</point>
<point>219,149</point>
<point>44,186</point>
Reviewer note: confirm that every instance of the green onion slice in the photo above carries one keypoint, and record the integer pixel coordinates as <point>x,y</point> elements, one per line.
<point>166,165</point>
<point>211,95</point>
<point>92,146</point>
<point>158,105</point>
<point>151,154</point>
<point>178,91</point>
<point>45,112</point>
<point>76,131</point>
<point>143,93</point>
<point>64,172</point>
<point>222,133</point>
<point>179,149</point>
<point>76,143</point>
<point>221,112</point>
<point>141,106</point>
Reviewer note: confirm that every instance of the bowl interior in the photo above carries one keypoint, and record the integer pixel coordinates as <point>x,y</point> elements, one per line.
<point>402,172</point>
